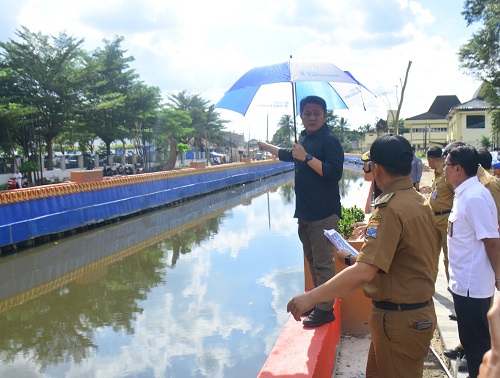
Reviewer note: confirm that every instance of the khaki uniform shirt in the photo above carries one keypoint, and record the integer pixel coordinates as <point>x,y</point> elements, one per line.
<point>401,240</point>
<point>441,198</point>
<point>491,183</point>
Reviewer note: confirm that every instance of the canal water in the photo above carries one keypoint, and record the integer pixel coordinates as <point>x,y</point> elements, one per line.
<point>196,290</point>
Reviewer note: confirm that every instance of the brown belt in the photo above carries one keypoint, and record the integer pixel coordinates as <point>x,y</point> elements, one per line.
<point>389,306</point>
<point>442,212</point>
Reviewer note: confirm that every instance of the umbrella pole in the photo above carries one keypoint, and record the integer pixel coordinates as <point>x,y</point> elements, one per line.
<point>294,111</point>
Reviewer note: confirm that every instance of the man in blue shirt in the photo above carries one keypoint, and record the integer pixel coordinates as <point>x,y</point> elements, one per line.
<point>319,159</point>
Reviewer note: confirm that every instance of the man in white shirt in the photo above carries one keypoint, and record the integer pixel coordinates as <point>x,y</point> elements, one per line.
<point>474,252</point>
<point>19,179</point>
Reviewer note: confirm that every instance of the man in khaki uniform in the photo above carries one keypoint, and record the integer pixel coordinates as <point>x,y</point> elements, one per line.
<point>491,183</point>
<point>441,200</point>
<point>396,266</point>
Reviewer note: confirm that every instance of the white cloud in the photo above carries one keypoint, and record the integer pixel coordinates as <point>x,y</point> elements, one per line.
<point>203,47</point>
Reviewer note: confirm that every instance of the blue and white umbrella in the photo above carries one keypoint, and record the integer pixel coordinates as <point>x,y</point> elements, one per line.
<point>268,87</point>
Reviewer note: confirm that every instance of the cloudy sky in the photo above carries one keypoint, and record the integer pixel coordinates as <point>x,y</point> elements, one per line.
<point>205,46</point>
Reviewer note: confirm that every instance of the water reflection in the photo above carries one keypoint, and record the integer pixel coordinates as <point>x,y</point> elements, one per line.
<point>195,291</point>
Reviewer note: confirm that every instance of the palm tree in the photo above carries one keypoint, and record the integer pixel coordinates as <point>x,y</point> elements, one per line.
<point>343,125</point>
<point>283,136</point>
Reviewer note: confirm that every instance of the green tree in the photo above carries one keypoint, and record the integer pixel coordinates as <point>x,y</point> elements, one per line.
<point>206,124</point>
<point>402,129</point>
<point>173,125</point>
<point>343,124</point>
<point>366,128</point>
<point>13,115</point>
<point>485,142</point>
<point>141,112</point>
<point>47,75</point>
<point>284,135</point>
<point>109,80</point>
<point>480,55</point>
<point>332,121</point>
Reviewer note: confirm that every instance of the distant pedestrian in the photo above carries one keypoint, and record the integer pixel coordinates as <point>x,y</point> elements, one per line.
<point>19,179</point>
<point>416,170</point>
<point>441,200</point>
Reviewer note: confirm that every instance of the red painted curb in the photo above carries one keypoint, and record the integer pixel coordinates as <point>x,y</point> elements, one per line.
<point>304,352</point>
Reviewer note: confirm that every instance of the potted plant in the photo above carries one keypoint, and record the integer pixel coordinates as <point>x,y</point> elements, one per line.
<point>350,215</point>
<point>355,307</point>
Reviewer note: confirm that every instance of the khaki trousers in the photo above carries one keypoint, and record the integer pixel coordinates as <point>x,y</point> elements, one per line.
<point>318,251</point>
<point>442,226</point>
<point>397,348</point>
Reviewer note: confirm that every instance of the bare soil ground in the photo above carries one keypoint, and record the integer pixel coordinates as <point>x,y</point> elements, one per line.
<point>354,350</point>
<point>432,367</point>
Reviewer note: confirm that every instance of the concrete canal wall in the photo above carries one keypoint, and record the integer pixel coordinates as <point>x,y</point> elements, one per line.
<point>29,275</point>
<point>27,214</point>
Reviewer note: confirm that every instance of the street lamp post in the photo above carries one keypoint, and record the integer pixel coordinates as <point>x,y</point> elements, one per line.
<point>425,138</point>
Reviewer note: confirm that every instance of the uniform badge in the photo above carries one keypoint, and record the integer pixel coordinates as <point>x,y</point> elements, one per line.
<point>371,229</point>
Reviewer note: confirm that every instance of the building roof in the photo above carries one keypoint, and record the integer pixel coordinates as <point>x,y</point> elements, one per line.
<point>475,103</point>
<point>439,108</point>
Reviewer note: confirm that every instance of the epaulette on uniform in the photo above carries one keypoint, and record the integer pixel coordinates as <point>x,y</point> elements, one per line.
<point>384,199</point>
<point>484,180</point>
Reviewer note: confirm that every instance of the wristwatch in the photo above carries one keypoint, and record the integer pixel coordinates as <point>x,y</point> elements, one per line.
<point>348,260</point>
<point>309,157</point>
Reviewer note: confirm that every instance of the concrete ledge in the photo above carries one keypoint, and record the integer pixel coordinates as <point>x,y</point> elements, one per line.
<point>197,164</point>
<point>246,160</point>
<point>304,352</point>
<point>79,176</point>
<point>356,307</point>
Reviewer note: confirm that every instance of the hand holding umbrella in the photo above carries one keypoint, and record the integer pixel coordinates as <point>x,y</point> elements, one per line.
<point>298,152</point>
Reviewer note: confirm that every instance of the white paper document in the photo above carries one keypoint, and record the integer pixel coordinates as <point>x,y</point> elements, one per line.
<point>339,242</point>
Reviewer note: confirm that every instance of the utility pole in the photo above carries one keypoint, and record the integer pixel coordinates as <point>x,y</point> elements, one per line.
<point>400,101</point>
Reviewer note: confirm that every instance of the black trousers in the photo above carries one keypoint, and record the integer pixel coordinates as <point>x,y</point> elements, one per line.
<point>473,329</point>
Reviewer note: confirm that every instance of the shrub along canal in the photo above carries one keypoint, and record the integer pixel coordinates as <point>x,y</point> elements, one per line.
<point>198,290</point>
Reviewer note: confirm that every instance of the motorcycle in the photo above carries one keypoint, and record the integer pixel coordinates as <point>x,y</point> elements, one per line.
<point>107,171</point>
<point>119,169</point>
<point>12,184</point>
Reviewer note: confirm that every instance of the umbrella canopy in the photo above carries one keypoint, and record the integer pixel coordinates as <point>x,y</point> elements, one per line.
<point>268,87</point>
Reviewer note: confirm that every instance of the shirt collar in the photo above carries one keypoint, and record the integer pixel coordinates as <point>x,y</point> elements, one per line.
<point>467,183</point>
<point>399,184</point>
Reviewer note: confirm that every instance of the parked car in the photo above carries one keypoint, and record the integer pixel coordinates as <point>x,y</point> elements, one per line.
<point>72,162</point>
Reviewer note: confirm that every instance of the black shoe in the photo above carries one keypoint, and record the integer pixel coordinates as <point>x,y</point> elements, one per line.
<point>308,312</point>
<point>318,317</point>
<point>453,353</point>
<point>452,317</point>
<point>462,366</point>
